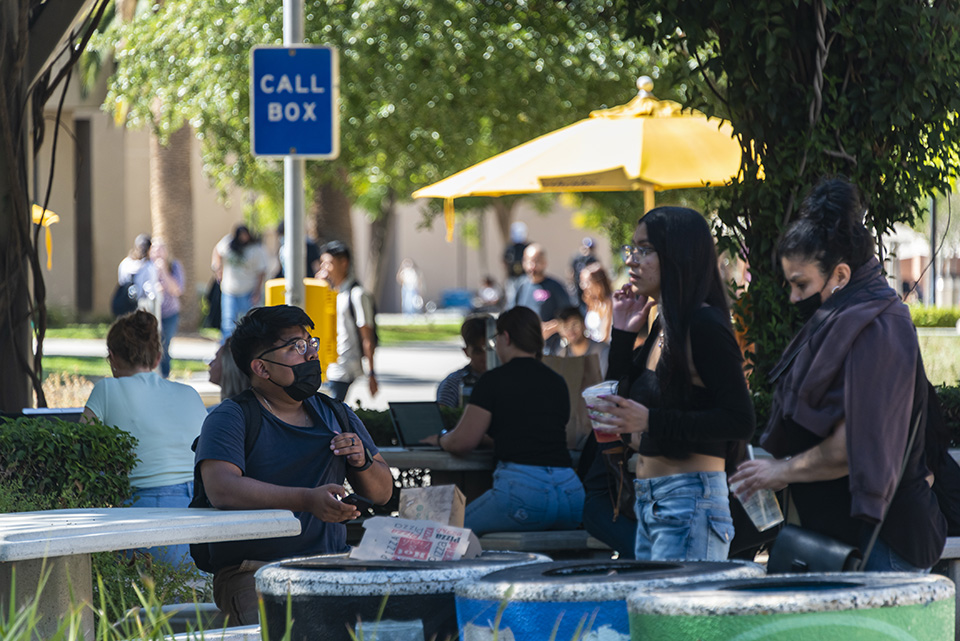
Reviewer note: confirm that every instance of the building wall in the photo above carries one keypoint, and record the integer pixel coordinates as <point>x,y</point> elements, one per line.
<point>455,265</point>
<point>120,203</point>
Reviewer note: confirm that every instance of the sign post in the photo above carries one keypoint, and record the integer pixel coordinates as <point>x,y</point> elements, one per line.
<point>294,91</point>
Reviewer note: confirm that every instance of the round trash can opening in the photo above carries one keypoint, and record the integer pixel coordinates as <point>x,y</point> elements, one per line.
<point>827,607</point>
<point>570,599</point>
<point>611,568</point>
<point>495,558</point>
<point>790,586</point>
<point>332,598</point>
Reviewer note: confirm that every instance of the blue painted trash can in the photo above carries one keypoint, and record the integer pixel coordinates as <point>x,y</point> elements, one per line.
<point>566,599</point>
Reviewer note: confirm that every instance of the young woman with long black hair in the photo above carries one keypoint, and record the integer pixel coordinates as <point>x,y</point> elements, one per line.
<point>682,394</point>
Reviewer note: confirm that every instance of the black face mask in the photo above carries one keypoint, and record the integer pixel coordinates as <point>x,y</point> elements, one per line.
<point>307,378</point>
<point>807,307</point>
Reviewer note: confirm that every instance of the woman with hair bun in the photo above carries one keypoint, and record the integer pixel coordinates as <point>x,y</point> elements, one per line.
<point>523,406</point>
<point>849,389</point>
<point>164,416</point>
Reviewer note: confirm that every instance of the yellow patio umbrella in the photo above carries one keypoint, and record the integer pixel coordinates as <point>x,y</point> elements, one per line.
<point>45,218</point>
<point>646,144</point>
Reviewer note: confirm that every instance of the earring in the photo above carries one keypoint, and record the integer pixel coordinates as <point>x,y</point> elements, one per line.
<point>835,289</point>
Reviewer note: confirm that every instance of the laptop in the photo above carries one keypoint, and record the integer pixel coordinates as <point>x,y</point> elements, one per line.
<point>415,420</point>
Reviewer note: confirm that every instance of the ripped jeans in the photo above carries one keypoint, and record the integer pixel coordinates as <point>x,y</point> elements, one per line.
<point>683,517</point>
<point>526,498</point>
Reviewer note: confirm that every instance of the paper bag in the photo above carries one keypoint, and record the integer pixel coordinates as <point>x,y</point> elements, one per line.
<point>386,538</point>
<point>579,373</point>
<point>440,503</point>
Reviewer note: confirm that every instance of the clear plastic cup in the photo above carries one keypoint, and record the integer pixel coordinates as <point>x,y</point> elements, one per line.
<point>592,397</point>
<point>762,508</point>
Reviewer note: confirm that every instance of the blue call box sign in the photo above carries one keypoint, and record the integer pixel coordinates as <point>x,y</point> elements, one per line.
<point>293,101</point>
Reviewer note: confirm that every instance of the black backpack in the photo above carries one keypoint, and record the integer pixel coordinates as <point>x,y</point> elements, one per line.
<point>373,321</point>
<point>251,415</point>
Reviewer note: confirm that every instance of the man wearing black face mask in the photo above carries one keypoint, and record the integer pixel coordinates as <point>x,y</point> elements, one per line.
<point>299,460</point>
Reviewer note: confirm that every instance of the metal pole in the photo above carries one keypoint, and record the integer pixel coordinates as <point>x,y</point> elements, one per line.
<point>294,246</point>
<point>932,287</point>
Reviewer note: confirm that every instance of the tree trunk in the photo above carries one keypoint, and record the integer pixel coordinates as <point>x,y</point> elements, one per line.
<point>14,213</point>
<point>379,234</point>
<point>503,208</point>
<point>171,211</point>
<point>331,210</point>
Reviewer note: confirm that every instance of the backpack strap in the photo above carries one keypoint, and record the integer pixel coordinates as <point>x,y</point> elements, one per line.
<point>340,411</point>
<point>250,407</point>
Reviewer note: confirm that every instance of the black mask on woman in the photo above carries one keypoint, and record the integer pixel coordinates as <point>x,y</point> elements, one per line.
<point>307,377</point>
<point>807,307</point>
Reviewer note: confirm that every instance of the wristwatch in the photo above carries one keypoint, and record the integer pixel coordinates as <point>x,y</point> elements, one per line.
<point>367,461</point>
<point>440,436</point>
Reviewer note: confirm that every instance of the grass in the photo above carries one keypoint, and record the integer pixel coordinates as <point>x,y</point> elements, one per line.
<point>941,358</point>
<point>399,334</point>
<point>79,330</point>
<point>96,366</point>
<point>389,334</point>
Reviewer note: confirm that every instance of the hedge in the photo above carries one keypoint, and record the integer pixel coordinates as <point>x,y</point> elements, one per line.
<point>924,316</point>
<point>50,456</point>
<point>48,463</point>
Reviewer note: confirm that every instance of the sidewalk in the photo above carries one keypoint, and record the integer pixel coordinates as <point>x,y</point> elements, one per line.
<point>408,372</point>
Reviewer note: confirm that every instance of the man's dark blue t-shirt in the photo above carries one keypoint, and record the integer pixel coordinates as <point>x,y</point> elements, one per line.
<point>546,298</point>
<point>286,455</point>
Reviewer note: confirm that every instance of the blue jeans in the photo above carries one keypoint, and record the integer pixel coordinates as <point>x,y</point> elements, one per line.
<point>166,496</point>
<point>168,329</point>
<point>683,517</point>
<point>232,309</point>
<point>526,498</point>
<point>884,559</point>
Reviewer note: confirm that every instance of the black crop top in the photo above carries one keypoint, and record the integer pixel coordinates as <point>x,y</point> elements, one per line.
<point>717,413</point>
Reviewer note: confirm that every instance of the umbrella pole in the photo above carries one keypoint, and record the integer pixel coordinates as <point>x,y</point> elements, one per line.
<point>649,201</point>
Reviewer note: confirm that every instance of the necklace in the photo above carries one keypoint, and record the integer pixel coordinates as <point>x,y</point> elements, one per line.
<point>269,406</point>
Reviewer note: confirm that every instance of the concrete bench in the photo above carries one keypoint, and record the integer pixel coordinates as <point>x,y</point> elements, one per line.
<point>240,633</point>
<point>558,544</point>
<point>52,548</point>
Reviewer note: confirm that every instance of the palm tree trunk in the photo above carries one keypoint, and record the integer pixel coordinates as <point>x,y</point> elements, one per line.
<point>331,210</point>
<point>171,211</point>
<point>379,234</point>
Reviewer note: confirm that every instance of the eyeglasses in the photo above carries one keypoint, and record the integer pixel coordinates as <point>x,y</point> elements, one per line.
<point>300,344</point>
<point>632,252</point>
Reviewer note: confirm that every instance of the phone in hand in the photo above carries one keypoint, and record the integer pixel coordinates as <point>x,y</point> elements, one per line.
<point>361,503</point>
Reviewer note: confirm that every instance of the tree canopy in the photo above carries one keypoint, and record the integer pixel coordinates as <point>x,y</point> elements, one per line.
<point>867,90</point>
<point>428,87</point>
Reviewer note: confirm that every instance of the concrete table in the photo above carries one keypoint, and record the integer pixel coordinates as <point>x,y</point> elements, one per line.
<point>472,473</point>
<point>59,543</point>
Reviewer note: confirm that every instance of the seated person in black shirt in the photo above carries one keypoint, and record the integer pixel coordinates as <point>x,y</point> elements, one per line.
<point>523,406</point>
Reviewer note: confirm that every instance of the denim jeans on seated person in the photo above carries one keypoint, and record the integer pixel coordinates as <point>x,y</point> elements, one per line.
<point>166,496</point>
<point>884,559</point>
<point>526,498</point>
<point>683,517</point>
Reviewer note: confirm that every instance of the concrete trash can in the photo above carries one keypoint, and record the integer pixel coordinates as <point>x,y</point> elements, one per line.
<point>852,606</point>
<point>333,597</point>
<point>572,599</point>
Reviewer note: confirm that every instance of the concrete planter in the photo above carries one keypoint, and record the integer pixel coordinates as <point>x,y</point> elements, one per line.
<point>562,599</point>
<point>818,607</point>
<point>329,596</point>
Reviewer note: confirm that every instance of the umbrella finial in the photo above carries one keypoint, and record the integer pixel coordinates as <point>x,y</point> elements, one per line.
<point>645,87</point>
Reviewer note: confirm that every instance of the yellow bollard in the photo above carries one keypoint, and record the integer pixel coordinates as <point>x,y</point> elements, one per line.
<point>321,307</point>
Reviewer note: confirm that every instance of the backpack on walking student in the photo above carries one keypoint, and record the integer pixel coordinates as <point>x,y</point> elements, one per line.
<point>251,414</point>
<point>373,321</point>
